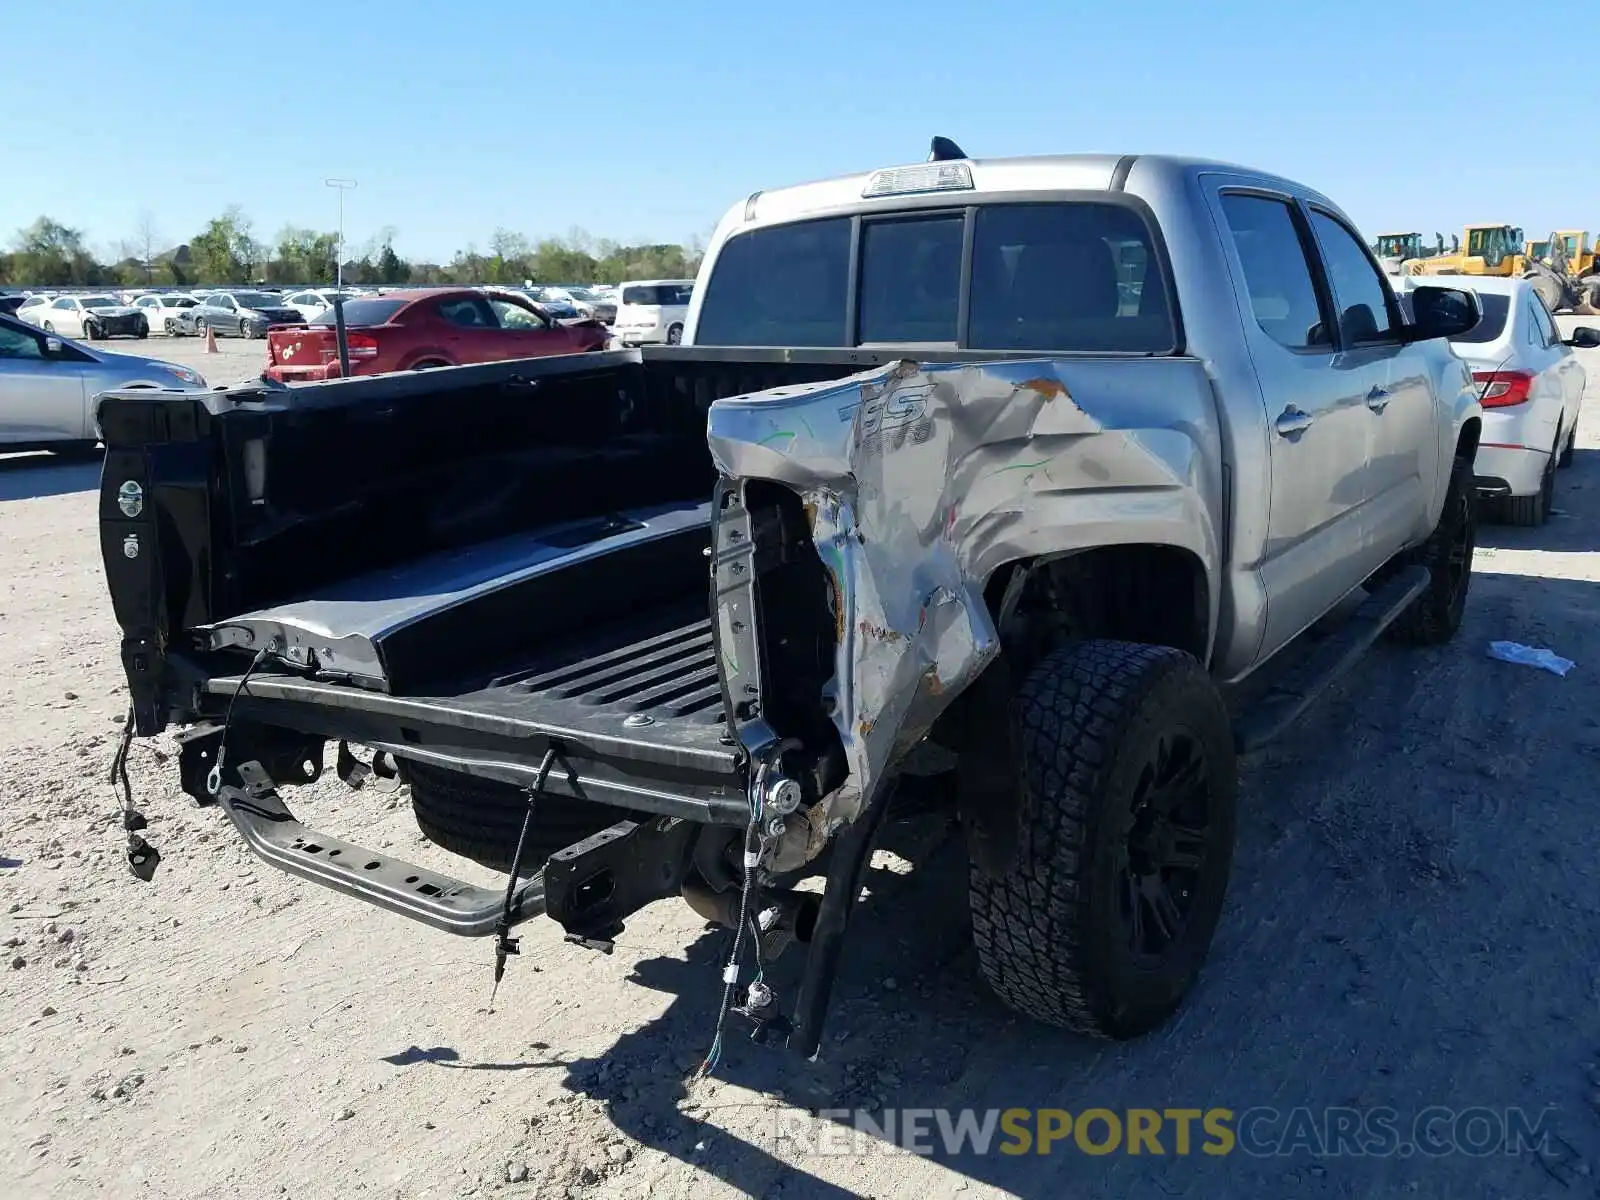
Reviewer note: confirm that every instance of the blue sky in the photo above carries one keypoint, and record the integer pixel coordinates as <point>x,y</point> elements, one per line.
<point>645,121</point>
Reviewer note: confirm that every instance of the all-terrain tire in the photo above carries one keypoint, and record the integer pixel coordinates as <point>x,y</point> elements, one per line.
<point>1053,931</point>
<point>480,819</point>
<point>1434,616</point>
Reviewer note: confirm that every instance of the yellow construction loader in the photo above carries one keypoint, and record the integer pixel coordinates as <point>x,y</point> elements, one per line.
<point>1394,249</point>
<point>1580,255</point>
<point>1562,270</point>
<point>1483,250</point>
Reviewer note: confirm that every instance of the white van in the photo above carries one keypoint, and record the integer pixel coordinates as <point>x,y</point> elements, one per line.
<point>652,310</point>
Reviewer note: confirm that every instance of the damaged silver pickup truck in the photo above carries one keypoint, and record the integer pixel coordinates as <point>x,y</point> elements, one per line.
<point>975,485</point>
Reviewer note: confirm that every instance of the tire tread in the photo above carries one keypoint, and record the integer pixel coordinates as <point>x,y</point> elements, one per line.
<point>1031,925</point>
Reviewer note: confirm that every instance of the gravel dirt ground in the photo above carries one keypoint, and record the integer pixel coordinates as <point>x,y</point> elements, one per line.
<point>1414,920</point>
<point>237,360</point>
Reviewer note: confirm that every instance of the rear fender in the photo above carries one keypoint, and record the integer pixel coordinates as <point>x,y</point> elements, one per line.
<point>921,481</point>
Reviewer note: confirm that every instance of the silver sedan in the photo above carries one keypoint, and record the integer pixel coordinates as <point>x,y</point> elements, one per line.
<point>48,386</point>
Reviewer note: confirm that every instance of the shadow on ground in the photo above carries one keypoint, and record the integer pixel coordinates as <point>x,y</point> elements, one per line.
<point>34,476</point>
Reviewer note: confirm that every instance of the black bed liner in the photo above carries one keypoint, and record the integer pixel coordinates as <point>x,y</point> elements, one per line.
<point>636,710</point>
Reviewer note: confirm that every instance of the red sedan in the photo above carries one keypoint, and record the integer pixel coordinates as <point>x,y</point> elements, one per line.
<point>414,330</point>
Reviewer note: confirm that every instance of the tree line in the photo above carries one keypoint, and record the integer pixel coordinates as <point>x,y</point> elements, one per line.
<point>227,251</point>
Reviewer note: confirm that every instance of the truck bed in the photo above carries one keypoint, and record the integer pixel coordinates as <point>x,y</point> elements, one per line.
<point>466,567</point>
<point>409,517</point>
<point>635,707</point>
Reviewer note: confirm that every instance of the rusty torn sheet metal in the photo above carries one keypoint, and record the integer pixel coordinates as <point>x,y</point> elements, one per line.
<point>918,481</point>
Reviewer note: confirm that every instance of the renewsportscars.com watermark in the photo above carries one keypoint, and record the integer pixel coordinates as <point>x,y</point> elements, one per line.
<point>1317,1132</point>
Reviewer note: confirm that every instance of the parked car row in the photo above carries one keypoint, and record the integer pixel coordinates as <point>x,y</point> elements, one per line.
<point>92,316</point>
<point>244,314</point>
<point>650,308</point>
<point>420,329</point>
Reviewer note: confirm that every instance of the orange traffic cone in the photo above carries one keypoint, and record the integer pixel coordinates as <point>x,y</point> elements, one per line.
<point>211,340</point>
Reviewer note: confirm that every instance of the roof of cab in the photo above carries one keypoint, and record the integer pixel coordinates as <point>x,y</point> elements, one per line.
<point>1031,173</point>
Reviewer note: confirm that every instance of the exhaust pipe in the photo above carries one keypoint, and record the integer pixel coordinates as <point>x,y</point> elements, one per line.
<point>782,917</point>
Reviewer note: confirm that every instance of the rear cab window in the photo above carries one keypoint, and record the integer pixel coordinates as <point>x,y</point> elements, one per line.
<point>1056,275</point>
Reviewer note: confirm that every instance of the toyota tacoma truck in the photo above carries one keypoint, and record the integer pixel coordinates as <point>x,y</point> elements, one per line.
<point>976,484</point>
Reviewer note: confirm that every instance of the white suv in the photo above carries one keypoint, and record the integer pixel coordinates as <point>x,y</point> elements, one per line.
<point>652,310</point>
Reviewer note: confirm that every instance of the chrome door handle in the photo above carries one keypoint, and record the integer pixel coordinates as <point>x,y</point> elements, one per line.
<point>1292,421</point>
<point>1378,399</point>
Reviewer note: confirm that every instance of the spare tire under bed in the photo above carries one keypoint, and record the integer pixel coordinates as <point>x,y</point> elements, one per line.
<point>480,819</point>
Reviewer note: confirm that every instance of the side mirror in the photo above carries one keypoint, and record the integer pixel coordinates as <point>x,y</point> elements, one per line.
<point>54,346</point>
<point>1584,337</point>
<point>1441,312</point>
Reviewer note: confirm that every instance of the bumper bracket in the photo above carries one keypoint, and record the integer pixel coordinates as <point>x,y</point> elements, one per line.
<point>271,830</point>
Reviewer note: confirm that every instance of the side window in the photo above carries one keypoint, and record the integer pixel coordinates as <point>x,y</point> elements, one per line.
<point>64,303</point>
<point>514,316</point>
<point>470,312</point>
<point>15,343</point>
<point>1358,289</point>
<point>1276,271</point>
<point>1544,328</point>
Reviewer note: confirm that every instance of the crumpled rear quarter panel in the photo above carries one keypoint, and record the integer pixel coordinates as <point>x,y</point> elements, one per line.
<point>920,480</point>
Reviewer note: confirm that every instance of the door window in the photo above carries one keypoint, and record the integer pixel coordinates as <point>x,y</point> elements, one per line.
<point>64,303</point>
<point>1544,328</point>
<point>470,312</point>
<point>15,343</point>
<point>1359,294</point>
<point>514,316</point>
<point>1277,273</point>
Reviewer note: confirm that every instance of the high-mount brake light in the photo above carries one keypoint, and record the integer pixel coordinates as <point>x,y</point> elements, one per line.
<point>923,177</point>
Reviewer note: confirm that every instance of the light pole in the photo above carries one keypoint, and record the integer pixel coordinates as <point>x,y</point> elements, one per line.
<point>342,185</point>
